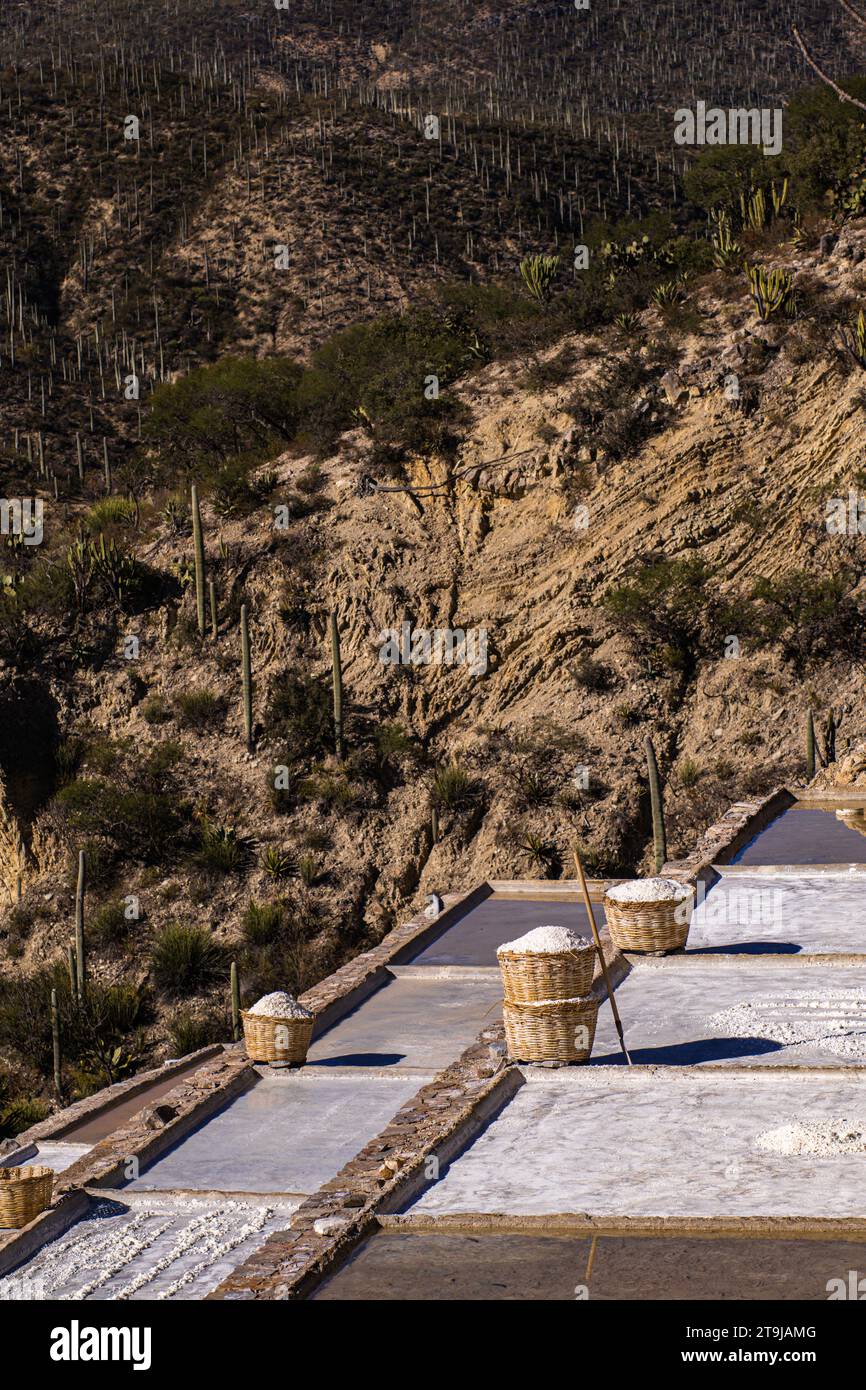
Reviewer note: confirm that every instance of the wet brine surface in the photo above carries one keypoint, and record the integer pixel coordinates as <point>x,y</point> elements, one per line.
<point>806,833</point>
<point>409,1266</point>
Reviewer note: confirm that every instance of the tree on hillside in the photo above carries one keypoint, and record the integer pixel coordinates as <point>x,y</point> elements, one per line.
<point>801,43</point>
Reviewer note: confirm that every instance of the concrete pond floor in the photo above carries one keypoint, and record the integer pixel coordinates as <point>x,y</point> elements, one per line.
<point>287,1134</point>
<point>409,1266</point>
<point>421,1020</point>
<point>657,1142</point>
<point>783,913</point>
<point>679,1012</point>
<point>474,938</point>
<point>157,1248</point>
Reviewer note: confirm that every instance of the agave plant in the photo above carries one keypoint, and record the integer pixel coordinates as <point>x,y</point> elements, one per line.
<point>727,252</point>
<point>853,339</point>
<point>668,294</point>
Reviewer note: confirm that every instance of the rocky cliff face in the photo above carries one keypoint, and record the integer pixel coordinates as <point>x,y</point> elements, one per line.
<point>522,541</point>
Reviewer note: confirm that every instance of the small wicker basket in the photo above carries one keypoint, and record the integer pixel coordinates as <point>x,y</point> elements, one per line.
<point>528,976</point>
<point>556,1031</point>
<point>276,1039</point>
<point>649,926</point>
<point>24,1193</point>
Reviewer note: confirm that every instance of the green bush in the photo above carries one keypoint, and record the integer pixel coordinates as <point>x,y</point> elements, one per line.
<point>667,610</point>
<point>240,406</point>
<point>137,822</point>
<point>454,787</point>
<point>199,709</point>
<point>187,1032</point>
<point>222,850</point>
<point>102,1038</point>
<point>299,717</point>
<point>810,617</point>
<point>262,923</point>
<point>155,710</point>
<point>185,960</point>
<point>109,925</point>
<point>374,374</point>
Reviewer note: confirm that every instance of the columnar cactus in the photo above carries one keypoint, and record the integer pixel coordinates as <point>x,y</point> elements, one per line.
<point>198,550</point>
<point>247,676</point>
<point>539,273</point>
<point>55,1040</point>
<point>80,962</point>
<point>772,290</point>
<point>338,689</point>
<point>810,746</point>
<point>658,814</point>
<point>236,1002</point>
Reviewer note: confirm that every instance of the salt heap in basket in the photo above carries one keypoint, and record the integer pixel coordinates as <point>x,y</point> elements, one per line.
<point>549,1011</point>
<point>277,1029</point>
<point>650,915</point>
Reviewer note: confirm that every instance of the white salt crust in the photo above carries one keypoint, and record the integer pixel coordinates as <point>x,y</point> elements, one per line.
<point>279,1005</point>
<point>648,890</point>
<point>546,940</point>
<point>832,1019</point>
<point>537,1003</point>
<point>822,1138</point>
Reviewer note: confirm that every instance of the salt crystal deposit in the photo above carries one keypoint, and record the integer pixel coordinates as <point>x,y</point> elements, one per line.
<point>833,1019</point>
<point>545,940</point>
<point>280,1005</point>
<point>821,1139</point>
<point>649,890</point>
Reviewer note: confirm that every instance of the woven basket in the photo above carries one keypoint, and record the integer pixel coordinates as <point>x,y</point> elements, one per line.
<point>528,977</point>
<point>649,926</point>
<point>549,1032</point>
<point>265,1044</point>
<point>24,1193</point>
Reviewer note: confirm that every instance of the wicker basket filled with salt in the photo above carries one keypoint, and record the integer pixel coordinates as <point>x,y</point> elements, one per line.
<point>650,915</point>
<point>24,1193</point>
<point>549,1012</point>
<point>277,1029</point>
<point>551,1030</point>
<point>546,963</point>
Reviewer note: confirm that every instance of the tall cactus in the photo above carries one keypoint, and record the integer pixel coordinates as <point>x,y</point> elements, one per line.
<point>337,664</point>
<point>198,550</point>
<point>236,1002</point>
<point>810,746</point>
<point>55,1041</point>
<point>659,839</point>
<point>80,962</point>
<point>73,970</point>
<point>247,675</point>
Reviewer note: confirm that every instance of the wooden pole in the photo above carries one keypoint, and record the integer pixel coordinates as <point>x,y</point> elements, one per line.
<point>614,1010</point>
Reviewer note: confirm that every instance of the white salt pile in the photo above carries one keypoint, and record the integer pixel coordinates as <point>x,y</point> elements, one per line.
<point>642,890</point>
<point>821,1138</point>
<point>545,940</point>
<point>279,1005</point>
<point>833,1019</point>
